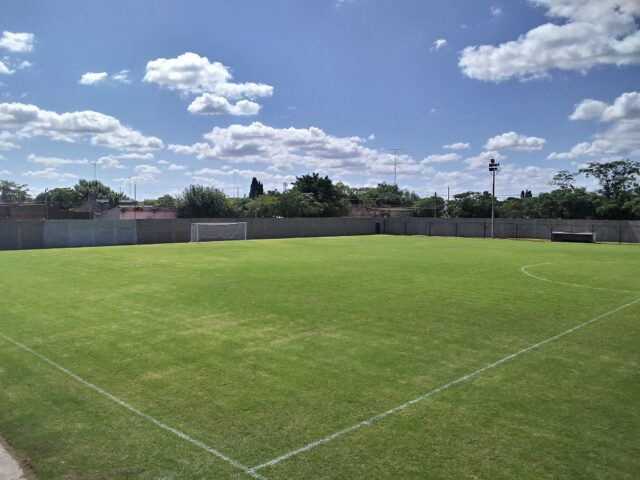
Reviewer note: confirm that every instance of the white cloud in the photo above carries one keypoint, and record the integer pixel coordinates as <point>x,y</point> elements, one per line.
<point>625,106</point>
<point>104,130</point>
<point>309,147</point>
<point>4,70</point>
<point>91,78</point>
<point>110,163</point>
<point>7,141</point>
<point>175,167</point>
<point>208,104</point>
<point>50,173</point>
<point>514,141</point>
<point>54,161</point>
<point>457,146</point>
<point>144,174</point>
<point>163,162</point>
<point>592,33</point>
<point>122,76</point>
<point>5,172</point>
<point>496,11</point>
<point>192,73</point>
<point>134,156</point>
<point>443,158</point>
<point>482,160</point>
<point>621,139</point>
<point>17,42</point>
<point>438,44</point>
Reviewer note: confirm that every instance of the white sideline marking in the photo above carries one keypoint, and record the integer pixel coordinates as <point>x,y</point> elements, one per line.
<point>475,373</point>
<point>524,270</point>
<point>133,409</point>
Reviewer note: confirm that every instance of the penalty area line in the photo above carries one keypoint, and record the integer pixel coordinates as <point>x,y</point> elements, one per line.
<point>136,411</point>
<point>435,391</point>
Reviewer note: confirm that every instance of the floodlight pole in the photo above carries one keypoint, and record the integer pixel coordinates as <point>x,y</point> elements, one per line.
<point>493,168</point>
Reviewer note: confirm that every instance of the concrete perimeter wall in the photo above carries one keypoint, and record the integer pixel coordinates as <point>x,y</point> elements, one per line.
<point>82,233</point>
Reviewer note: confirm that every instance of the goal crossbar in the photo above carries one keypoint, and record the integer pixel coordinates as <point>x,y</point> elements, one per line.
<point>218,231</point>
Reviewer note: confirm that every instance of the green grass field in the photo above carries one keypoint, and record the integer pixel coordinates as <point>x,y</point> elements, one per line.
<point>259,348</point>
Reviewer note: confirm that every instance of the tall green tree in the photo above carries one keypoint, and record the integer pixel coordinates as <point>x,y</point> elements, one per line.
<point>63,198</point>
<point>198,201</point>
<point>86,189</point>
<point>322,191</point>
<point>469,205</point>
<point>12,192</point>
<point>256,189</point>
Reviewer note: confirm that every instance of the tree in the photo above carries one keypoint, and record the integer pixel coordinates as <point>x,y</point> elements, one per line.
<point>563,180</point>
<point>321,191</point>
<point>63,198</point>
<point>203,202</point>
<point>429,206</point>
<point>469,205</point>
<point>616,178</point>
<point>165,201</point>
<point>295,203</point>
<point>256,188</point>
<point>12,192</point>
<point>98,190</point>
<point>264,206</point>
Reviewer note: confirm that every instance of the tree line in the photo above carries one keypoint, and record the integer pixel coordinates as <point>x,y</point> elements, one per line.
<point>311,195</point>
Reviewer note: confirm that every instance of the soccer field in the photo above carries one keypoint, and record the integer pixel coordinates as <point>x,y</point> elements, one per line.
<point>341,358</point>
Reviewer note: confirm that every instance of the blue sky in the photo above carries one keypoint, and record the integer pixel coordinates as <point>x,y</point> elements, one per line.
<point>161,93</point>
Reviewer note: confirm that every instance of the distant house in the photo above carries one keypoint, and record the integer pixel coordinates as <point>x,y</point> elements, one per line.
<point>139,212</point>
<point>374,211</point>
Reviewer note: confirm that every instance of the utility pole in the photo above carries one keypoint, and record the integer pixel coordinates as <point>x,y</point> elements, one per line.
<point>493,168</point>
<point>135,203</point>
<point>46,204</point>
<point>435,204</point>
<point>395,164</point>
<point>94,170</point>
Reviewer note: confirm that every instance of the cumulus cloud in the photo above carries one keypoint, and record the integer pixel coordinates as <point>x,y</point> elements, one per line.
<point>622,138</point>
<point>109,163</point>
<point>173,167</point>
<point>5,172</point>
<point>625,106</point>
<point>443,158</point>
<point>50,173</point>
<point>208,104</point>
<point>308,147</point>
<point>496,11</point>
<point>438,44</point>
<point>457,146</point>
<point>4,69</point>
<point>91,78</point>
<point>590,33</point>
<point>482,160</point>
<point>17,42</point>
<point>29,120</point>
<point>514,141</point>
<point>143,174</point>
<point>7,141</point>
<point>192,74</point>
<point>55,161</point>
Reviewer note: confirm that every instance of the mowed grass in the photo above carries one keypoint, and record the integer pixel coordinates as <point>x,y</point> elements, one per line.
<point>257,348</point>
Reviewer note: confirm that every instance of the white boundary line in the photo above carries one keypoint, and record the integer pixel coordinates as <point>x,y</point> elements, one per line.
<point>526,267</point>
<point>446,386</point>
<point>134,410</point>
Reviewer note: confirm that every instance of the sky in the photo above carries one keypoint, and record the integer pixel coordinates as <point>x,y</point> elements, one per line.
<point>161,94</point>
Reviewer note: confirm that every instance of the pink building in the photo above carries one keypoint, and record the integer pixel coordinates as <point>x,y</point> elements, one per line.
<point>140,212</point>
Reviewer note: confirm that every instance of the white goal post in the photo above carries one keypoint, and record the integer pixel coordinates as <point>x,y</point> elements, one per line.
<point>213,232</point>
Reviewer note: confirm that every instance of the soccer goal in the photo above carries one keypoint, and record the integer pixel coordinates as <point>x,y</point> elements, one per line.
<point>213,232</point>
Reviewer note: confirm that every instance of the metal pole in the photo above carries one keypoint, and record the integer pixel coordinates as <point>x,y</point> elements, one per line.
<point>46,204</point>
<point>435,204</point>
<point>493,200</point>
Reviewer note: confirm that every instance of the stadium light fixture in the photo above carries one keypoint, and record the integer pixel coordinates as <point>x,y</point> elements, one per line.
<point>493,168</point>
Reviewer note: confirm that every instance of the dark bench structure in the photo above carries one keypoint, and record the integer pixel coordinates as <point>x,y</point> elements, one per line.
<point>582,237</point>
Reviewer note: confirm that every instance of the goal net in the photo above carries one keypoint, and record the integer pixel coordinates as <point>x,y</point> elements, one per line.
<point>212,232</point>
